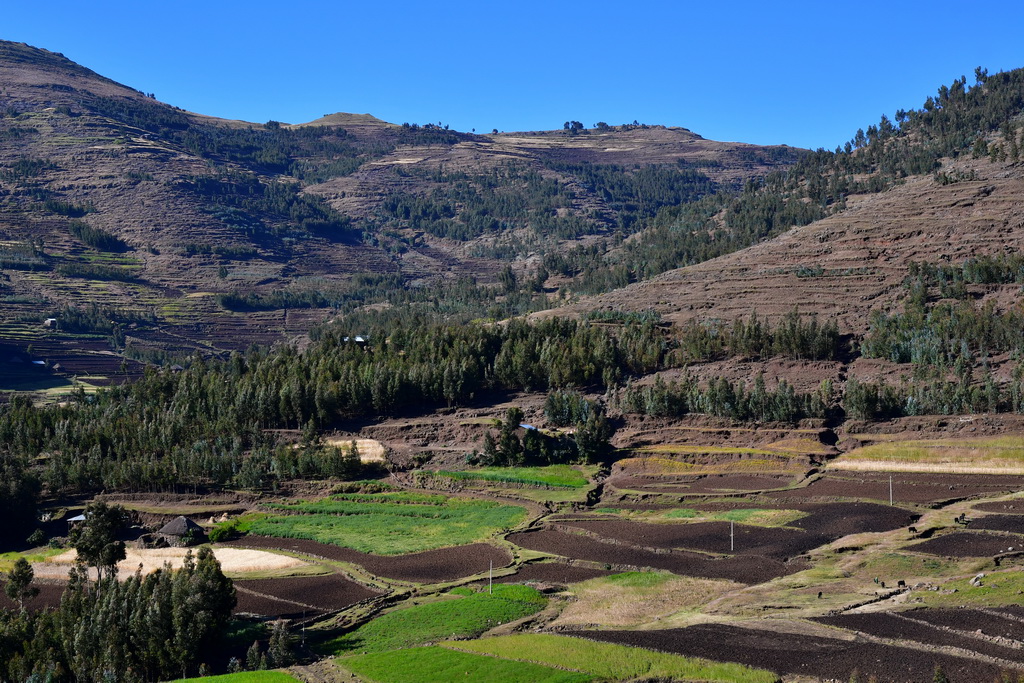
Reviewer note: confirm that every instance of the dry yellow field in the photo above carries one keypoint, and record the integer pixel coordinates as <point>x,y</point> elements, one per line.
<point>232,560</point>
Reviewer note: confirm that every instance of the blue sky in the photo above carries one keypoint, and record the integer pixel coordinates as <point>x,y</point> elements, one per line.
<point>802,73</point>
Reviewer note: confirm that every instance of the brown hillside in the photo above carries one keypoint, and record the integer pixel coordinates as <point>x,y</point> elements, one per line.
<point>77,146</point>
<point>862,254</point>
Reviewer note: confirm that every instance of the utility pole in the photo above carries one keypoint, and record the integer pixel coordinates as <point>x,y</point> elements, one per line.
<point>732,535</point>
<point>490,579</point>
<point>890,490</point>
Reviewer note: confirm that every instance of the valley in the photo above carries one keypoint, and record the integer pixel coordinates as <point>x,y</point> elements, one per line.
<point>615,403</point>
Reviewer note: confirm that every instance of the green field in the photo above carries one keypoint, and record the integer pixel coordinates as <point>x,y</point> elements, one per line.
<point>433,664</point>
<point>560,476</point>
<point>245,677</point>
<point>608,661</point>
<point>454,617</point>
<point>756,516</point>
<point>752,516</point>
<point>7,560</point>
<point>389,523</point>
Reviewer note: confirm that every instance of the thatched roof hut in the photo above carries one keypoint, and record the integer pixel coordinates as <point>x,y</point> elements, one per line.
<point>182,531</point>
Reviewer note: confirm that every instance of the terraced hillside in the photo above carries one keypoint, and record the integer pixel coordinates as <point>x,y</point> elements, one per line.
<point>189,233</point>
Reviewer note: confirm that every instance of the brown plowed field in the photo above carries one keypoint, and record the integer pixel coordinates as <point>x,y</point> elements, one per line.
<point>824,524</point>
<point>553,572</point>
<point>710,537</point>
<point>841,519</point>
<point>908,487</point>
<point>790,654</point>
<point>270,607</point>
<point>1009,507</point>
<point>743,568</point>
<point>883,625</point>
<point>1011,523</point>
<point>328,593</point>
<point>966,544</point>
<point>698,485</point>
<point>49,596</point>
<point>432,566</point>
<point>971,620</point>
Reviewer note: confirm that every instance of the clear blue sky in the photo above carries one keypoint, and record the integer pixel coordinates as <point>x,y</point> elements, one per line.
<point>802,73</point>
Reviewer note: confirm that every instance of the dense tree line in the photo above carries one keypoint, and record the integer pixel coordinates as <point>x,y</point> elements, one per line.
<point>205,425</point>
<point>639,193</point>
<point>96,238</point>
<point>463,206</point>
<point>961,392</point>
<point>793,336</point>
<point>722,398</point>
<point>588,443</point>
<point>145,628</point>
<point>944,332</point>
<point>241,200</point>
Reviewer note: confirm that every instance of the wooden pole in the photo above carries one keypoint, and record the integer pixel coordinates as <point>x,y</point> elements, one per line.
<point>890,490</point>
<point>732,535</point>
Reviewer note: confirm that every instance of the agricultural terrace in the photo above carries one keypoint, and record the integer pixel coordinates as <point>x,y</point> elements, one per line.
<point>557,476</point>
<point>460,613</point>
<point>995,455</point>
<point>432,664</point>
<point>608,661</point>
<point>389,523</point>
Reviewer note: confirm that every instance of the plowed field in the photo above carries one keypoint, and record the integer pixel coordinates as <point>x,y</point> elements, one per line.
<point>967,544</point>
<point>1011,523</point>
<point>988,622</point>
<point>743,568</point>
<point>325,593</point>
<point>791,654</point>
<point>433,566</point>
<point>553,572</point>
<point>908,487</point>
<point>896,627</point>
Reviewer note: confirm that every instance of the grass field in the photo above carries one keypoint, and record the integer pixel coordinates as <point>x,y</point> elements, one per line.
<point>456,616</point>
<point>562,476</point>
<point>755,516</point>
<point>388,523</point>
<point>752,516</point>
<point>245,677</point>
<point>1003,454</point>
<point>432,664</point>
<point>637,598</point>
<point>996,590</point>
<point>607,661</point>
<point>7,560</point>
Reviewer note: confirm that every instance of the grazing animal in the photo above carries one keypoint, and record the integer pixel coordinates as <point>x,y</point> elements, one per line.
<point>913,529</point>
<point>901,584</point>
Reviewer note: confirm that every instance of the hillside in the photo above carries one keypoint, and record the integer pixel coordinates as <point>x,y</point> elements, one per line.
<point>848,264</point>
<point>779,402</point>
<point>193,233</point>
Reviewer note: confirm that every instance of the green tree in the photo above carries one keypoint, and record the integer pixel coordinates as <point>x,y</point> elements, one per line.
<point>19,583</point>
<point>96,540</point>
<point>279,649</point>
<point>592,437</point>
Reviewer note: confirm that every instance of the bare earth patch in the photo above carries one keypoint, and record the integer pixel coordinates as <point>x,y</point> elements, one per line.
<point>232,560</point>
